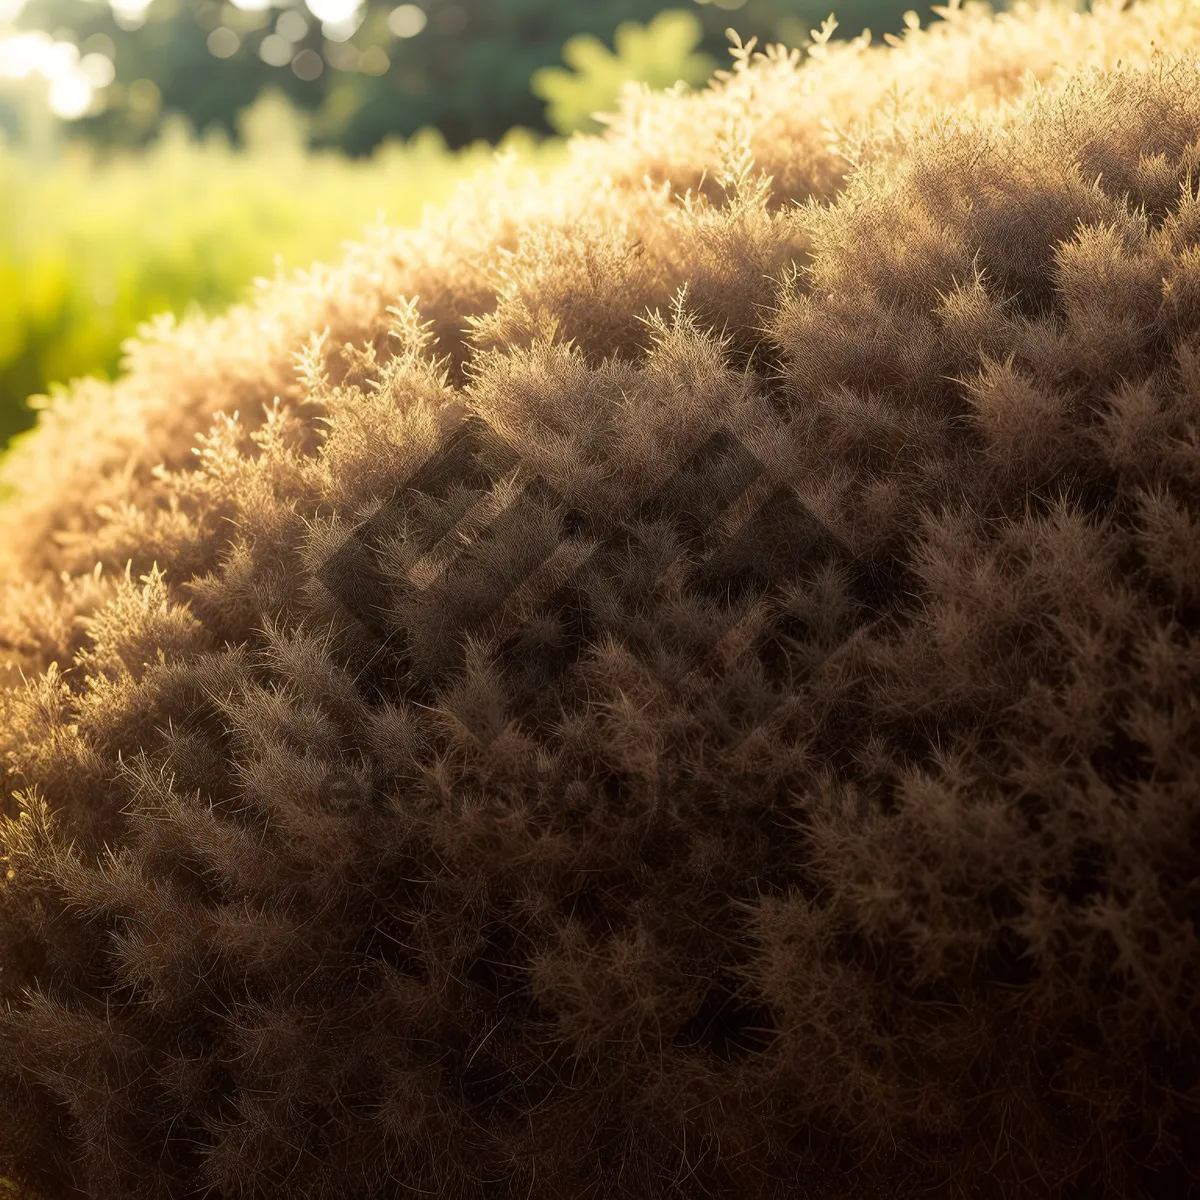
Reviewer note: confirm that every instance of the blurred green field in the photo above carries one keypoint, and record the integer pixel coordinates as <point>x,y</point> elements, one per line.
<point>92,247</point>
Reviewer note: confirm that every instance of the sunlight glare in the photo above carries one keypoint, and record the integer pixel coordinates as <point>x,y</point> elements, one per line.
<point>333,12</point>
<point>70,95</point>
<point>60,60</point>
<point>73,81</point>
<point>23,55</point>
<point>129,14</point>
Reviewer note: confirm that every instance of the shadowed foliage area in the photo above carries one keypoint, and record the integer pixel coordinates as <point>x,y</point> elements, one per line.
<point>675,681</point>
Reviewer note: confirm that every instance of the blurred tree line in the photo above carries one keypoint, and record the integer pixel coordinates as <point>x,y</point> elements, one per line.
<point>363,69</point>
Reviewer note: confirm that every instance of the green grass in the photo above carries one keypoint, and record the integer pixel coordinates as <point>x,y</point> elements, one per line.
<point>91,248</point>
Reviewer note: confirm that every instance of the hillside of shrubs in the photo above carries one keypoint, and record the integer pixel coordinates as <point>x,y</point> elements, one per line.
<point>675,679</point>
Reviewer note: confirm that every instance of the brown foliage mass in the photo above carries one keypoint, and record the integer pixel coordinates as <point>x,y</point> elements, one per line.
<point>822,823</point>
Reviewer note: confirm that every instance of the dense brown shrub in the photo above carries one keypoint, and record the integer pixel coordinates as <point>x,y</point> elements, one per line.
<point>653,693</point>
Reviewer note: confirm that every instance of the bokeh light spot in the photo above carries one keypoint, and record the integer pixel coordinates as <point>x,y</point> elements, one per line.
<point>307,65</point>
<point>99,43</point>
<point>60,60</point>
<point>407,21</point>
<point>99,69</point>
<point>292,25</point>
<point>333,12</point>
<point>23,55</point>
<point>341,31</point>
<point>275,51</point>
<point>223,42</point>
<point>129,14</point>
<point>70,96</point>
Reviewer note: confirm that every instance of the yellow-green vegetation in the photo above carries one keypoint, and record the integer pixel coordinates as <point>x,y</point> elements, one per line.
<point>91,247</point>
<point>658,54</point>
